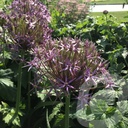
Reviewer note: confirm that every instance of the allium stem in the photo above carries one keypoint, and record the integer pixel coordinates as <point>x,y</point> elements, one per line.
<point>3,47</point>
<point>29,78</point>
<point>28,95</point>
<point>67,110</point>
<point>18,96</point>
<point>29,98</point>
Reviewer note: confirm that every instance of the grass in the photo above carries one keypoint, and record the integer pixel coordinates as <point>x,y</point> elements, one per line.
<point>121,16</point>
<point>109,1</point>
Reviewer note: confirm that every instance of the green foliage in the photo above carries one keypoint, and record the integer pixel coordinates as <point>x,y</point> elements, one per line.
<point>107,108</point>
<point>9,114</point>
<point>55,111</point>
<point>64,14</point>
<point>109,35</point>
<point>7,88</point>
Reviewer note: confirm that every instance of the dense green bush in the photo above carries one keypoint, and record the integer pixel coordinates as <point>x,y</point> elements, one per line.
<point>109,35</point>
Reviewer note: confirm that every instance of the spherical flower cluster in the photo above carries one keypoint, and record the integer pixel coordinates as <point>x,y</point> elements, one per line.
<point>68,63</point>
<point>27,23</point>
<point>105,12</point>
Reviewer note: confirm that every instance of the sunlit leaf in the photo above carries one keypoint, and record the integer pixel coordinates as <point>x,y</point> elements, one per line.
<point>122,106</point>
<point>98,107</point>
<point>55,111</point>
<point>108,95</point>
<point>125,53</point>
<point>59,122</point>
<point>9,114</point>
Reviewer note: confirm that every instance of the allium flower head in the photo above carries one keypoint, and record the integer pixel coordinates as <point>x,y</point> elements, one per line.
<point>27,23</point>
<point>105,12</point>
<point>68,63</point>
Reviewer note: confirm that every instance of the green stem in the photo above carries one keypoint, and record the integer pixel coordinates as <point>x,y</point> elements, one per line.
<point>67,110</point>
<point>48,124</point>
<point>29,98</point>
<point>3,47</point>
<point>18,96</point>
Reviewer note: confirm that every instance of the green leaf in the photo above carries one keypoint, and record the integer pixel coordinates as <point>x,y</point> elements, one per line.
<point>5,72</point>
<point>55,111</point>
<point>124,72</point>
<point>125,121</point>
<point>44,104</point>
<point>108,95</point>
<point>98,107</point>
<point>120,67</point>
<point>59,121</point>
<point>122,106</point>
<point>6,81</point>
<point>125,53</point>
<point>82,115</point>
<point>7,55</point>
<point>122,124</point>
<point>7,89</point>
<point>110,122</point>
<point>110,110</point>
<point>98,124</point>
<point>42,94</point>
<point>9,114</point>
<point>106,122</point>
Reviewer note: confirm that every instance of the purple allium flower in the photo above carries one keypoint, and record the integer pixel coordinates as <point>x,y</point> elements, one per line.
<point>68,63</point>
<point>27,23</point>
<point>107,79</point>
<point>105,12</point>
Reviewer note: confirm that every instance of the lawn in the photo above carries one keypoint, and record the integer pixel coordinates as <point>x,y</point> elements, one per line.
<point>109,1</point>
<point>121,16</point>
